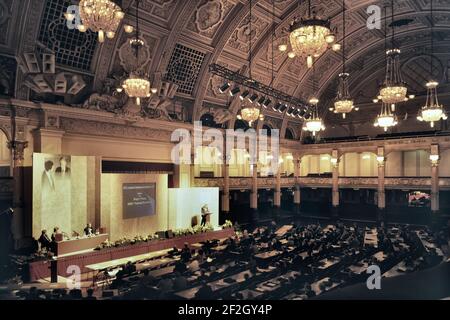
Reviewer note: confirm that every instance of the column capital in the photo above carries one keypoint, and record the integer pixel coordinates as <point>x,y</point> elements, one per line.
<point>18,149</point>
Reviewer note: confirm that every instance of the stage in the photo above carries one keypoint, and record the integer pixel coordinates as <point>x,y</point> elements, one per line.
<point>41,269</point>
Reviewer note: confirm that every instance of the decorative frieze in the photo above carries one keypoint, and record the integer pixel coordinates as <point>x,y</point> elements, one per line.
<point>113,130</point>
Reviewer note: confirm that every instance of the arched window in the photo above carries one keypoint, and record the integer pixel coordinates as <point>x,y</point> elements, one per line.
<point>289,135</point>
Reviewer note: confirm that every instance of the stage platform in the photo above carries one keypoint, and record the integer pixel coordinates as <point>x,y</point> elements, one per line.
<point>41,269</point>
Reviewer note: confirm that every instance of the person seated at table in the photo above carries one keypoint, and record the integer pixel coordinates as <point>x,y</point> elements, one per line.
<point>309,291</point>
<point>147,279</point>
<point>165,285</point>
<point>231,244</point>
<point>201,256</point>
<point>90,294</point>
<point>129,268</point>
<point>194,265</point>
<point>180,282</point>
<point>205,292</point>
<point>33,294</point>
<point>207,247</point>
<point>75,294</point>
<point>45,241</point>
<point>55,232</point>
<point>180,267</point>
<point>186,253</point>
<point>174,251</point>
<point>64,295</point>
<point>89,231</point>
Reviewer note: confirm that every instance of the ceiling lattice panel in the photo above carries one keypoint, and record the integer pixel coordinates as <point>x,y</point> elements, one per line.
<point>72,48</point>
<point>184,67</point>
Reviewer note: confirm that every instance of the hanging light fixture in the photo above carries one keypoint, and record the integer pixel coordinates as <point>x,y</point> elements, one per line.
<point>309,38</point>
<point>136,85</point>
<point>386,119</point>
<point>343,103</point>
<point>249,111</point>
<point>101,16</point>
<point>394,89</point>
<point>432,111</point>
<point>314,122</point>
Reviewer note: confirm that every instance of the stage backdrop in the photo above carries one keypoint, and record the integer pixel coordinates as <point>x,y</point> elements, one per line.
<point>63,192</point>
<point>154,216</point>
<point>185,206</point>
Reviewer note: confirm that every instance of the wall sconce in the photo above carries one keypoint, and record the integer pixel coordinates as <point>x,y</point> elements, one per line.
<point>434,158</point>
<point>334,161</point>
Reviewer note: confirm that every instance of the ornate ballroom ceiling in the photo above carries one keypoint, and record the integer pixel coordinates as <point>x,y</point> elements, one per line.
<point>182,38</point>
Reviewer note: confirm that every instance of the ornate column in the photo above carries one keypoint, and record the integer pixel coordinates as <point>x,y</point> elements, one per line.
<point>192,170</point>
<point>254,192</point>
<point>434,158</point>
<point>335,182</point>
<point>17,148</point>
<point>297,163</point>
<point>277,193</point>
<point>381,183</point>
<point>226,185</point>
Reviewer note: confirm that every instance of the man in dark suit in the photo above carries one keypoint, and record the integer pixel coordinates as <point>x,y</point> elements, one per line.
<point>89,231</point>
<point>205,214</point>
<point>63,168</point>
<point>48,180</point>
<point>45,241</point>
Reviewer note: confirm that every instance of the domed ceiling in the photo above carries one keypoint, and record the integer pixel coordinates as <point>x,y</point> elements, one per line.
<point>182,38</point>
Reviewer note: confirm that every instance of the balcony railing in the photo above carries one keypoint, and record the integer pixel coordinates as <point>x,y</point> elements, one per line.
<point>326,182</point>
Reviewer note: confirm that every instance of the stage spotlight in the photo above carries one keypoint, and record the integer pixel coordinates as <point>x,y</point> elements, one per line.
<point>295,112</point>
<point>277,106</point>
<point>261,101</point>
<point>302,113</point>
<point>267,103</point>
<point>244,94</point>
<point>283,108</point>
<point>253,98</point>
<point>290,111</point>
<point>224,88</point>
<point>234,91</point>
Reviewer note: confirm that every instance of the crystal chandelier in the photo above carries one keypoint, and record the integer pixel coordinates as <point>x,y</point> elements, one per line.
<point>343,103</point>
<point>394,89</point>
<point>386,119</point>
<point>250,113</point>
<point>432,111</point>
<point>250,110</point>
<point>314,123</point>
<point>137,85</point>
<point>309,38</point>
<point>102,16</point>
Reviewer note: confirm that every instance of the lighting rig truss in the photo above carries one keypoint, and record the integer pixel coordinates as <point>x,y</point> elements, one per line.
<point>282,102</point>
